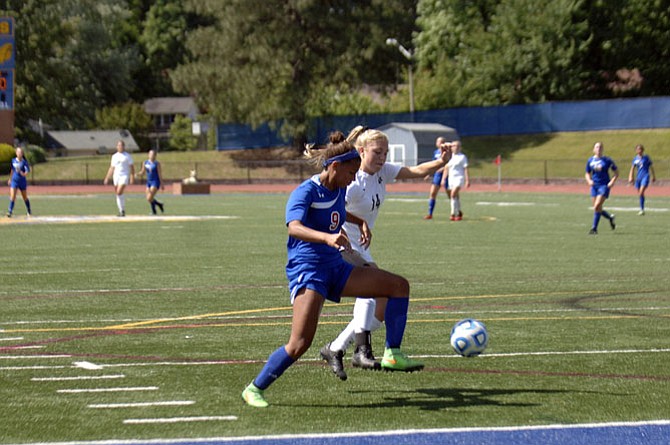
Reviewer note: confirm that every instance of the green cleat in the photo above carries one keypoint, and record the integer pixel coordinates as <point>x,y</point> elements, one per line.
<point>254,397</point>
<point>395,360</point>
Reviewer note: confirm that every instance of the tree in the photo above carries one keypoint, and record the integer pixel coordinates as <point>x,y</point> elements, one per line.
<point>128,116</point>
<point>69,59</point>
<point>181,134</point>
<point>270,60</point>
<point>502,52</point>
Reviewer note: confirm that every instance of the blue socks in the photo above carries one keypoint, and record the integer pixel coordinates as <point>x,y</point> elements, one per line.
<point>431,206</point>
<point>596,219</point>
<point>11,207</point>
<point>278,362</point>
<point>641,202</point>
<point>396,320</point>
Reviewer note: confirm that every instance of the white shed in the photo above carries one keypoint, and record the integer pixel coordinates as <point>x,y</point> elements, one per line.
<point>412,143</point>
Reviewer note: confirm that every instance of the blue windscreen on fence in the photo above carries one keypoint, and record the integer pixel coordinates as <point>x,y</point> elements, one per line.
<point>647,112</point>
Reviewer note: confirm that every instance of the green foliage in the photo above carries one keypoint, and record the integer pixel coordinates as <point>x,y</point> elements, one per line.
<point>181,134</point>
<point>129,116</point>
<point>35,154</point>
<point>269,61</point>
<point>7,153</point>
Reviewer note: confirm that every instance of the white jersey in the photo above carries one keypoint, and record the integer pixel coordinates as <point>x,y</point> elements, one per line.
<point>457,165</point>
<point>121,161</point>
<point>364,197</point>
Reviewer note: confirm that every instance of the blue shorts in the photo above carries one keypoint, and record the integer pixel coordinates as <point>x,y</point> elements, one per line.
<point>328,280</point>
<point>641,182</point>
<point>156,184</point>
<point>20,184</point>
<point>437,180</point>
<point>600,190</point>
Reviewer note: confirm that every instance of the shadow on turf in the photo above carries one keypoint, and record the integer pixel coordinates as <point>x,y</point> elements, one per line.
<point>434,399</point>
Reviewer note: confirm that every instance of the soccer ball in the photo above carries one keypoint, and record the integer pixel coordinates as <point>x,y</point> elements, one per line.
<point>469,337</point>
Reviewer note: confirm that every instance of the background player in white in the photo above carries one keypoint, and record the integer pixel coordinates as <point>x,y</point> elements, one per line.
<point>365,196</point>
<point>436,178</point>
<point>458,177</point>
<point>123,172</point>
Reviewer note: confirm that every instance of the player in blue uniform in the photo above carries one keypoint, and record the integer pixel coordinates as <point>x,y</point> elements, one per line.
<point>597,176</point>
<point>17,181</point>
<point>316,270</point>
<point>645,172</point>
<point>152,168</point>
<point>440,144</point>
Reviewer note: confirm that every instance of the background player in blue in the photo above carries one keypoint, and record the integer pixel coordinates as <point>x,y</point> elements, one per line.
<point>17,181</point>
<point>152,168</point>
<point>316,270</point>
<point>597,176</point>
<point>440,145</point>
<point>645,171</point>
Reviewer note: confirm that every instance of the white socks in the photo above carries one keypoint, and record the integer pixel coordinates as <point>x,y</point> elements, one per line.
<point>364,320</point>
<point>121,202</point>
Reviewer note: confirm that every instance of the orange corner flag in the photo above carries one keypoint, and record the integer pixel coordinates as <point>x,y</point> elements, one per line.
<point>497,160</point>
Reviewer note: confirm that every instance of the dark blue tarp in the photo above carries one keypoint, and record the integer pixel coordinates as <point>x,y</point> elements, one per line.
<point>612,114</point>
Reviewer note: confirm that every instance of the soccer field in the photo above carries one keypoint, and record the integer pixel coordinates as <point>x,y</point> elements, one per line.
<point>150,327</point>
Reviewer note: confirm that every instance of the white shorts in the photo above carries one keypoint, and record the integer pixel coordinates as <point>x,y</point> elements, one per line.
<point>456,181</point>
<point>358,258</point>
<point>121,180</point>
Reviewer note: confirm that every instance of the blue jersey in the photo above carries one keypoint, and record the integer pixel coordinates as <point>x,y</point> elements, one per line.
<point>642,163</point>
<point>320,209</point>
<point>17,180</point>
<point>19,166</point>
<point>599,169</point>
<point>151,167</point>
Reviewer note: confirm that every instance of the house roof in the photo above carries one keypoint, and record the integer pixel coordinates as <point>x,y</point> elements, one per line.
<point>170,105</point>
<point>99,140</point>
<point>419,126</point>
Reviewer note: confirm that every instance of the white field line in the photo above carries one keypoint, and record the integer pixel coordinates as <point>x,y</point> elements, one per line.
<point>178,419</point>
<point>11,339</point>
<point>255,362</point>
<point>526,354</point>
<point>394,434</point>
<point>80,377</point>
<point>87,365</point>
<point>21,357</point>
<point>119,389</point>
<point>141,404</point>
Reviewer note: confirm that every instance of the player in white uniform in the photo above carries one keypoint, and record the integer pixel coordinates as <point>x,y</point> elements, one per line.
<point>365,196</point>
<point>458,178</point>
<point>123,172</point>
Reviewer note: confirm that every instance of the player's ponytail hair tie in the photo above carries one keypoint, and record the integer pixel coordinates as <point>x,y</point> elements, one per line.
<point>344,157</point>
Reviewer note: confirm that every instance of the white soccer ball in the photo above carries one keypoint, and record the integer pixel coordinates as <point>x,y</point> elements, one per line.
<point>469,337</point>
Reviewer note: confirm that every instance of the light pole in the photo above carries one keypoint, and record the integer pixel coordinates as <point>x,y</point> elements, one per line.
<point>410,58</point>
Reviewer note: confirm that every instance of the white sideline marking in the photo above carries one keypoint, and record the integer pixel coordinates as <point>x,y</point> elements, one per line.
<point>11,338</point>
<point>69,219</point>
<point>87,365</point>
<point>120,389</point>
<point>19,357</point>
<point>636,209</point>
<point>516,204</point>
<point>354,434</point>
<point>242,362</point>
<point>526,354</point>
<point>142,404</point>
<point>30,347</point>
<point>178,419</point>
<point>81,377</point>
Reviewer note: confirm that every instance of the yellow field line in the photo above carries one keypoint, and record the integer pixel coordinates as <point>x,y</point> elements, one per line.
<point>150,324</point>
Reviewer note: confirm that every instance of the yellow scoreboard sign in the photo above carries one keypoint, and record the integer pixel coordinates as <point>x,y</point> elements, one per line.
<point>7,63</point>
